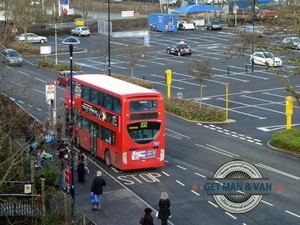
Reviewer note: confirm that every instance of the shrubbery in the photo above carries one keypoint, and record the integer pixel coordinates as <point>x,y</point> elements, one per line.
<point>61,66</point>
<point>287,139</point>
<point>190,110</point>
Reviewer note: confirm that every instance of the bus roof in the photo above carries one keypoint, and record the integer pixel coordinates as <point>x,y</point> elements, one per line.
<point>112,84</point>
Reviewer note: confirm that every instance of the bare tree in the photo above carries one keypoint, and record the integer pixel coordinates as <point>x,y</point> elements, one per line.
<point>134,53</point>
<point>201,71</point>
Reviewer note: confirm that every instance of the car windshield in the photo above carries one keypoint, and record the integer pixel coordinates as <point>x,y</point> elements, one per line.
<point>183,46</point>
<point>84,28</point>
<point>268,55</point>
<point>13,54</point>
<point>296,39</point>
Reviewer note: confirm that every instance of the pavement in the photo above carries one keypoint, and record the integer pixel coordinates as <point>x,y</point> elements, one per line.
<point>119,204</point>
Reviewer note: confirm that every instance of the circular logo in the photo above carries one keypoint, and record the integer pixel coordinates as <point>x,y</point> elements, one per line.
<point>237,170</point>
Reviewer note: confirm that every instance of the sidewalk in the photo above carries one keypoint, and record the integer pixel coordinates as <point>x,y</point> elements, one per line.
<point>119,205</point>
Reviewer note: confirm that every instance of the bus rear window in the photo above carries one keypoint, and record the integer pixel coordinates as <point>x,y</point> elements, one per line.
<point>143,132</point>
<point>143,105</point>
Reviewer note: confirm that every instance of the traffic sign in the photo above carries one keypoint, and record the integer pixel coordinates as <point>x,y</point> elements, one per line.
<point>50,93</point>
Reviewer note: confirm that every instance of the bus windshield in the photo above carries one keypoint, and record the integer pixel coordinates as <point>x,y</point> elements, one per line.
<point>143,132</point>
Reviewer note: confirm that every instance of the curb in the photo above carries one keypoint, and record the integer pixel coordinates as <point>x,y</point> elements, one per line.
<point>296,154</point>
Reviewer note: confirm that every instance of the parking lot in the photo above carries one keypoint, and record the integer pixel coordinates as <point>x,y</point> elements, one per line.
<point>256,99</point>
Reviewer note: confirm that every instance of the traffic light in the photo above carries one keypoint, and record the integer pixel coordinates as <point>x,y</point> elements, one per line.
<point>168,76</point>
<point>289,105</point>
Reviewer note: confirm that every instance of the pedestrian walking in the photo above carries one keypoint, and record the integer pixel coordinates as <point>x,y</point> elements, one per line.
<point>147,219</point>
<point>97,189</point>
<point>81,172</point>
<point>164,208</point>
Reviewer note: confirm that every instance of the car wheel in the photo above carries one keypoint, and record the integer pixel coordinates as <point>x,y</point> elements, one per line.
<point>79,34</point>
<point>168,51</point>
<point>267,64</point>
<point>179,53</point>
<point>210,28</point>
<point>107,158</point>
<point>42,41</point>
<point>296,47</point>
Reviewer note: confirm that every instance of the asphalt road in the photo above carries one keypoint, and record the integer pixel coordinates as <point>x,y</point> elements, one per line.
<point>194,150</point>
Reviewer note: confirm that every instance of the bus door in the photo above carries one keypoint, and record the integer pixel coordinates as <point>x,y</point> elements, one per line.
<point>93,135</point>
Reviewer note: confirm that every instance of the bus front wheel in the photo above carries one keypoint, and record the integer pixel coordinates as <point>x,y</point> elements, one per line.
<point>107,158</point>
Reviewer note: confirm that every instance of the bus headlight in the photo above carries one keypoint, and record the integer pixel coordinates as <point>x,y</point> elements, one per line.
<point>162,155</point>
<point>124,157</point>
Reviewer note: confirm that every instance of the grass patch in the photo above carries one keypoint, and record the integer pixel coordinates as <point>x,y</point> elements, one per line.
<point>287,139</point>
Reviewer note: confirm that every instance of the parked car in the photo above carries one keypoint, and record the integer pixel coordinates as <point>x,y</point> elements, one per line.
<point>214,25</point>
<point>265,59</point>
<point>81,31</point>
<point>63,77</point>
<point>185,25</point>
<point>291,42</point>
<point>180,48</point>
<point>31,38</point>
<point>11,57</point>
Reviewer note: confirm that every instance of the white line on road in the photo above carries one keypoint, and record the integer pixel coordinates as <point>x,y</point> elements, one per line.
<point>210,149</point>
<point>178,133</point>
<point>233,217</point>
<point>173,136</point>
<point>165,173</point>
<point>40,80</point>
<point>294,214</point>
<point>39,109</point>
<point>17,84</point>
<point>200,175</point>
<point>222,150</point>
<point>195,193</point>
<point>181,167</point>
<point>266,203</point>
<point>182,184</point>
<point>21,102</point>
<point>277,171</point>
<point>26,74</point>
<point>38,91</point>
<point>213,204</point>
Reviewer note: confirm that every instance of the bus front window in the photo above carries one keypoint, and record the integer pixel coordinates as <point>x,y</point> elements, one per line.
<point>143,132</point>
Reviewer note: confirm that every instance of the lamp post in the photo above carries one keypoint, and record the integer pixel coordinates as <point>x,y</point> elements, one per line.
<point>108,35</point>
<point>254,17</point>
<point>71,41</point>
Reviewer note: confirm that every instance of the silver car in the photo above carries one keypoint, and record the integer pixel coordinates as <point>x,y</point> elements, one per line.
<point>11,57</point>
<point>31,38</point>
<point>81,31</point>
<point>291,42</point>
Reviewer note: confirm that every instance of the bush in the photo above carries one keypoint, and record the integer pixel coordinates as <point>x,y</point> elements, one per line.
<point>61,66</point>
<point>287,139</point>
<point>190,110</point>
<point>129,24</point>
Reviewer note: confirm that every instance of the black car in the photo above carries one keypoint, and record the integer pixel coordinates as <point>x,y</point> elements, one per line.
<point>11,57</point>
<point>179,49</point>
<point>214,25</point>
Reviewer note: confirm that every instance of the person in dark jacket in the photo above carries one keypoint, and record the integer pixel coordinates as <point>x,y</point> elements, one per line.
<point>81,172</point>
<point>148,219</point>
<point>97,189</point>
<point>164,208</point>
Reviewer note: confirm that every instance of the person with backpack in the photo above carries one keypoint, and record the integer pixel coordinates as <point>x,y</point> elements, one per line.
<point>147,219</point>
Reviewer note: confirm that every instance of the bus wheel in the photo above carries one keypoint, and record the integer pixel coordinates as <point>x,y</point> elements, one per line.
<point>107,158</point>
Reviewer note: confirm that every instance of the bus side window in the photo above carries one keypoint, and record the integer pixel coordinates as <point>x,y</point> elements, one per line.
<point>107,103</point>
<point>85,93</point>
<point>94,96</point>
<point>116,105</point>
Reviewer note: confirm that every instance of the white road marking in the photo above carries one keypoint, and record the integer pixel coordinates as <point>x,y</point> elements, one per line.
<point>181,167</point>
<point>17,84</point>
<point>277,171</point>
<point>231,215</point>
<point>38,109</point>
<point>200,175</point>
<point>173,136</point>
<point>195,193</point>
<point>38,91</point>
<point>266,203</point>
<point>40,80</point>
<point>294,214</point>
<point>165,173</point>
<point>275,127</point>
<point>213,204</point>
<point>210,149</point>
<point>222,150</point>
<point>180,183</point>
<point>178,133</point>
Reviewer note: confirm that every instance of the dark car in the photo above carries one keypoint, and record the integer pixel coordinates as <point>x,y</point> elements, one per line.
<point>64,76</point>
<point>179,49</point>
<point>11,57</point>
<point>214,25</point>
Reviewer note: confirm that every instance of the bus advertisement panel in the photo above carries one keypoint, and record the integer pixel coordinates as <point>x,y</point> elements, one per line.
<point>121,123</point>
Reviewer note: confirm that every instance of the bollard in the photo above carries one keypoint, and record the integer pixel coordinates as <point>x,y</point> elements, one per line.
<point>228,70</point>
<point>246,68</point>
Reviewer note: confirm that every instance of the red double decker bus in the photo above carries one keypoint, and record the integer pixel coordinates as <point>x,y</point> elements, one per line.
<point>120,122</point>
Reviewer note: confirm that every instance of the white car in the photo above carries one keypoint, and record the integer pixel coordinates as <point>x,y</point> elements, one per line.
<point>265,59</point>
<point>186,25</point>
<point>31,38</point>
<point>81,31</point>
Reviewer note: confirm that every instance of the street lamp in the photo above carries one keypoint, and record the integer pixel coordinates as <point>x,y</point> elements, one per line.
<point>71,41</point>
<point>108,35</point>
<point>254,18</point>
